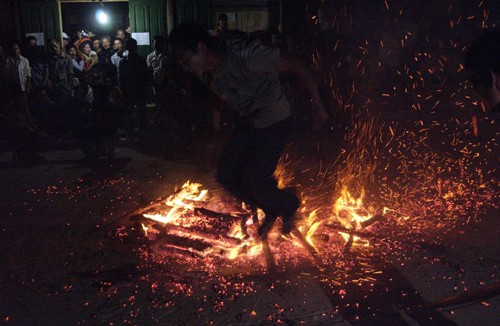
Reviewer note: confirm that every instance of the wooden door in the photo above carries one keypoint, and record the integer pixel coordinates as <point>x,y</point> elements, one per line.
<point>147,16</point>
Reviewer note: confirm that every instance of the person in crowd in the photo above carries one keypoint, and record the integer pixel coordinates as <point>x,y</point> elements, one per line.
<point>66,42</point>
<point>17,70</point>
<point>154,59</point>
<point>96,44</point>
<point>59,73</point>
<point>122,34</point>
<point>133,82</point>
<point>248,82</point>
<point>78,64</point>
<point>157,63</point>
<point>29,49</point>
<point>119,53</point>
<point>221,30</point>
<point>90,61</point>
<point>106,67</point>
<point>38,62</point>
<point>98,125</point>
<point>483,68</point>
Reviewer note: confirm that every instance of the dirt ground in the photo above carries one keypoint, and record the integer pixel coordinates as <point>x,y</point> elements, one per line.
<point>61,266</point>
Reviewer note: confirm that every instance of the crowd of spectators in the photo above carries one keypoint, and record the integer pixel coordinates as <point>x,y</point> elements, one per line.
<point>71,93</point>
<point>91,91</point>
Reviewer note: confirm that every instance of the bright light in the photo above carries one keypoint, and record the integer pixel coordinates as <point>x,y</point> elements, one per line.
<point>102,17</point>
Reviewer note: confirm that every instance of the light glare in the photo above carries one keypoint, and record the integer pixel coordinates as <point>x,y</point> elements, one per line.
<point>102,17</point>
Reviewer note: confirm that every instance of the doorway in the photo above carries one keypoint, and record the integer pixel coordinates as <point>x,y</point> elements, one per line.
<point>99,18</point>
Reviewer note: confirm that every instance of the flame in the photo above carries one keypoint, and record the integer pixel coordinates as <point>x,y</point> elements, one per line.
<point>145,228</point>
<point>310,227</point>
<point>349,210</point>
<point>179,203</point>
<point>247,247</point>
<point>238,242</point>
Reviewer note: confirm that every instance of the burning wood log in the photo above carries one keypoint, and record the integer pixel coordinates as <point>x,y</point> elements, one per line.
<point>214,214</point>
<point>180,231</point>
<point>306,244</point>
<point>352,231</point>
<point>221,238</point>
<point>374,219</point>
<point>270,263</point>
<point>184,251</point>
<point>483,293</point>
<point>137,212</point>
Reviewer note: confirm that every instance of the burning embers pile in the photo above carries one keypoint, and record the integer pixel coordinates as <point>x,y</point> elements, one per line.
<point>185,223</point>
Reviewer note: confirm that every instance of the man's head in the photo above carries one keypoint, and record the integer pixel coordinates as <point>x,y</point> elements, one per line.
<point>85,47</point>
<point>120,34</point>
<point>131,45</point>
<point>192,46</point>
<point>222,20</point>
<point>105,42</point>
<point>72,51</point>
<point>159,43</point>
<point>15,50</point>
<point>55,46</point>
<point>117,44</point>
<point>31,42</point>
<point>96,44</point>
<point>482,64</point>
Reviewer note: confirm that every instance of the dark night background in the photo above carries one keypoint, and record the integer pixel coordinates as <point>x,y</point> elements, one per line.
<point>391,75</point>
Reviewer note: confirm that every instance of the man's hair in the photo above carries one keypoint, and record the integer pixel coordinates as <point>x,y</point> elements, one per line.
<point>159,38</point>
<point>223,16</point>
<point>481,58</point>
<point>14,43</point>
<point>53,41</point>
<point>105,37</point>
<point>187,36</point>
<point>30,38</point>
<point>131,44</point>
<point>118,39</point>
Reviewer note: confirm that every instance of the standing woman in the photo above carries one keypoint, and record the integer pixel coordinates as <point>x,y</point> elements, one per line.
<point>90,61</point>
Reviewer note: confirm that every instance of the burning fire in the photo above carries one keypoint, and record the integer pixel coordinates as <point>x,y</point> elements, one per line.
<point>181,215</point>
<point>179,203</point>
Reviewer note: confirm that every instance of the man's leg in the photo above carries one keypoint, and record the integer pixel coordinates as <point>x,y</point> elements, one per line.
<point>232,163</point>
<point>259,182</point>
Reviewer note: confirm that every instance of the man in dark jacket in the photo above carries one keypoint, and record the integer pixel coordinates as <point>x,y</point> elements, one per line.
<point>133,82</point>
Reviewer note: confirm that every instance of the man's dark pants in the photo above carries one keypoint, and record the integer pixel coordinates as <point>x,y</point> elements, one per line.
<point>247,165</point>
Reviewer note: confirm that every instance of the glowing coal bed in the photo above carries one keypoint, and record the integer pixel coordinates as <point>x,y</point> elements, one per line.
<point>386,200</point>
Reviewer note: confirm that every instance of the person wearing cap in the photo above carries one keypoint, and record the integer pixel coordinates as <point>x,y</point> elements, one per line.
<point>65,43</point>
